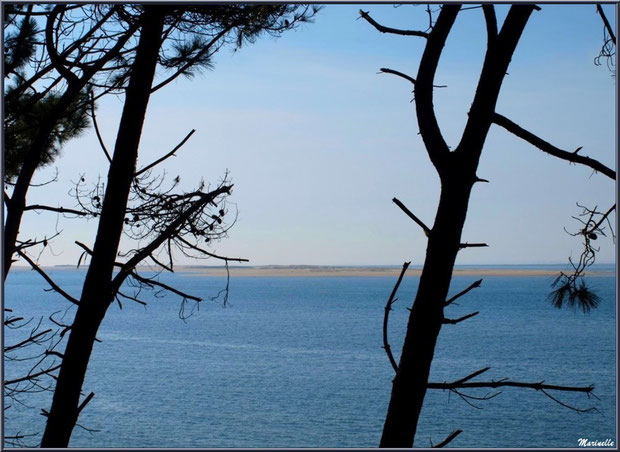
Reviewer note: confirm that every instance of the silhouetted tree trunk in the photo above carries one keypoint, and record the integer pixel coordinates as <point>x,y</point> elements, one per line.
<point>97,292</point>
<point>457,171</point>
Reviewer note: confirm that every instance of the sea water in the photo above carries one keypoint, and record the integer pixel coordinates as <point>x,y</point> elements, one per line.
<point>298,362</point>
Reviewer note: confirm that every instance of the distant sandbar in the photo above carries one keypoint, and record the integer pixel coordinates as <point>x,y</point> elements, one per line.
<point>310,270</point>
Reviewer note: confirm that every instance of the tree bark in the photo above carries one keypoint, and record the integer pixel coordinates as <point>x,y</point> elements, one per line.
<point>97,290</point>
<point>457,171</point>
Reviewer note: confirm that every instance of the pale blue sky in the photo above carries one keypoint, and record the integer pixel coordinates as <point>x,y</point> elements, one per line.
<point>317,143</point>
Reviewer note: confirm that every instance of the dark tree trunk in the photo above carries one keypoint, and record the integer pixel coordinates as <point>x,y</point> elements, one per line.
<point>15,207</point>
<point>457,171</point>
<point>97,291</point>
<point>425,320</point>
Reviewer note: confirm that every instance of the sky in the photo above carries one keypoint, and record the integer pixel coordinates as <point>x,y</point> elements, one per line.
<point>317,142</point>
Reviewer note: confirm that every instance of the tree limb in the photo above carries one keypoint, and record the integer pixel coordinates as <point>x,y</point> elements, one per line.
<point>610,30</point>
<point>176,148</point>
<point>427,231</point>
<point>472,245</point>
<point>386,315</point>
<point>55,209</point>
<point>448,440</point>
<point>434,142</point>
<point>463,292</point>
<point>163,286</point>
<point>54,286</point>
<point>549,148</point>
<point>396,31</point>
<point>460,319</point>
<point>99,137</point>
<point>386,70</point>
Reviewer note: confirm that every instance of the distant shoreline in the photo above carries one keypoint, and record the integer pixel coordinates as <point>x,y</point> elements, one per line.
<point>359,271</point>
<point>305,271</point>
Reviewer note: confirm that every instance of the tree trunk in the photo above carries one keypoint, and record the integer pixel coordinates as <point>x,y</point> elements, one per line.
<point>97,292</point>
<point>457,170</point>
<point>425,320</point>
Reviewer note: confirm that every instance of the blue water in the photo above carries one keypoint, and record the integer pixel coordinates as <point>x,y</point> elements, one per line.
<point>297,362</point>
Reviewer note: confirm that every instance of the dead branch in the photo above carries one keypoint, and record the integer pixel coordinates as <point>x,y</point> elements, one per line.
<point>463,292</point>
<point>410,214</point>
<point>152,282</point>
<point>460,319</point>
<point>85,402</point>
<point>538,386</point>
<point>99,137</point>
<point>608,27</point>
<point>61,209</point>
<point>396,31</point>
<point>32,376</point>
<point>472,245</point>
<point>448,440</point>
<point>54,286</point>
<point>544,146</point>
<point>386,70</point>
<point>388,308</point>
<point>169,154</point>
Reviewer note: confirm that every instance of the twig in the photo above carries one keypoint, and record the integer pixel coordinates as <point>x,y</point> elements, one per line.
<point>427,231</point>
<point>388,308</point>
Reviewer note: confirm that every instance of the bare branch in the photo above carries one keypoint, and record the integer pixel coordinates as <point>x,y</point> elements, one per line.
<point>85,402</point>
<point>463,292</point>
<point>388,308</point>
<point>56,209</point>
<point>549,148</point>
<point>396,31</point>
<point>153,282</point>
<point>54,286</point>
<point>202,250</point>
<point>610,30</point>
<point>31,376</point>
<point>99,137</point>
<point>427,231</point>
<point>400,74</point>
<point>176,148</point>
<point>472,245</point>
<point>538,386</point>
<point>460,319</point>
<point>448,440</point>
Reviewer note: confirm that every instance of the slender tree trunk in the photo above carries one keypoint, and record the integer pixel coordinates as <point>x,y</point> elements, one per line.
<point>97,292</point>
<point>425,320</point>
<point>17,203</point>
<point>457,170</point>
